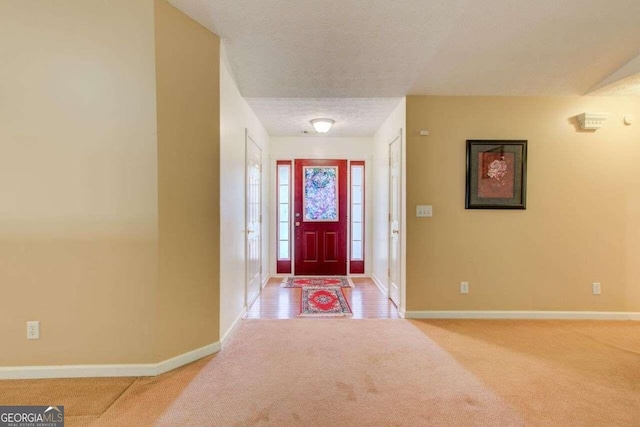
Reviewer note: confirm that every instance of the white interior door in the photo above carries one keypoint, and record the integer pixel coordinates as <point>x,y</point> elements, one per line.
<point>253,215</point>
<point>395,188</point>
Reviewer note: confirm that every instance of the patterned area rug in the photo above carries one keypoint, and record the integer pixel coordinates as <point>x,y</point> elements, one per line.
<point>318,281</point>
<point>324,301</point>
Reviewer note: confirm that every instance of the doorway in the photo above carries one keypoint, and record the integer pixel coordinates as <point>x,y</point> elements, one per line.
<point>320,217</point>
<point>395,206</point>
<point>253,217</point>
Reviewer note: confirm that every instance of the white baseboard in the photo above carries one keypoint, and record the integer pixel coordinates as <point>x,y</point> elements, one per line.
<point>379,284</point>
<point>186,358</point>
<point>265,280</point>
<point>129,370</point>
<point>549,315</point>
<point>229,331</point>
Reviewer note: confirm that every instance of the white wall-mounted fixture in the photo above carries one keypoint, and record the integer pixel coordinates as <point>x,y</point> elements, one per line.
<point>596,288</point>
<point>424,211</point>
<point>592,121</point>
<point>629,119</point>
<point>322,125</point>
<point>464,287</point>
<point>33,330</point>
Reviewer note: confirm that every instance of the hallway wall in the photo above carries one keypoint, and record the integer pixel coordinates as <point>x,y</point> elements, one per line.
<point>235,117</point>
<point>389,130</point>
<point>581,222</point>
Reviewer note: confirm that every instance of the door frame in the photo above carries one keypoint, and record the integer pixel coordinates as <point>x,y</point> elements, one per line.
<point>400,268</point>
<point>273,206</point>
<point>249,140</point>
<point>343,210</point>
<point>402,219</point>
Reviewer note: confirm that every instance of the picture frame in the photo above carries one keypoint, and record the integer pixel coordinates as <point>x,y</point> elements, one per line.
<point>496,174</point>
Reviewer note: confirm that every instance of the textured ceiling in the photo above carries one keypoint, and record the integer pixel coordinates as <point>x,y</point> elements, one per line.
<point>292,116</point>
<point>625,87</point>
<point>373,49</point>
<point>624,82</point>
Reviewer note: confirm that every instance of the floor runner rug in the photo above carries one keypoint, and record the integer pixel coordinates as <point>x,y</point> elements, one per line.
<point>324,301</point>
<point>317,281</point>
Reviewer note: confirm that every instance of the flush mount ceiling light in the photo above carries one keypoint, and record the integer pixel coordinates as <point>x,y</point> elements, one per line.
<point>322,125</point>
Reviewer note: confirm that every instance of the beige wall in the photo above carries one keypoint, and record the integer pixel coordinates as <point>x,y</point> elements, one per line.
<point>109,222</point>
<point>581,224</point>
<point>188,102</point>
<point>78,205</point>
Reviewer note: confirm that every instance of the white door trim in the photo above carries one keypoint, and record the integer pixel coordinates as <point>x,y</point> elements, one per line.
<point>400,219</point>
<point>249,299</point>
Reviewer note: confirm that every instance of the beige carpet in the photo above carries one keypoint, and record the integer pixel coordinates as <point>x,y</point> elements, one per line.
<point>84,399</point>
<point>374,372</point>
<point>554,373</point>
<point>332,372</point>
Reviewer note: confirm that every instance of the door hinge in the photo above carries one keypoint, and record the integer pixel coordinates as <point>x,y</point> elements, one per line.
<point>389,217</point>
<point>388,272</point>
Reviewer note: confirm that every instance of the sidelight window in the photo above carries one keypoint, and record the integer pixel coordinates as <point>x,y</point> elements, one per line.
<point>283,216</point>
<point>357,218</point>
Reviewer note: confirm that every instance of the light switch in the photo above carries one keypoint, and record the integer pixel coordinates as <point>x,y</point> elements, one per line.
<point>424,211</point>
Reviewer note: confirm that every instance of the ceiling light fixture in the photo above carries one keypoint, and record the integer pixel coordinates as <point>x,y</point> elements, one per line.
<point>322,125</point>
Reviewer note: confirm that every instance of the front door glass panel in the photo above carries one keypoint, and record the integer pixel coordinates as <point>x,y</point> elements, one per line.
<point>321,194</point>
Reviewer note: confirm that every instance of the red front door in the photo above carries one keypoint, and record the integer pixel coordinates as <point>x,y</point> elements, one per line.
<point>320,217</point>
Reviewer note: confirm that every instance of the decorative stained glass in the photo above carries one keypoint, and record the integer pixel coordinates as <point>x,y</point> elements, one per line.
<point>320,193</point>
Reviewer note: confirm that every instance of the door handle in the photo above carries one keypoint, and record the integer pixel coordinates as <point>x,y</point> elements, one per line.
<point>394,231</point>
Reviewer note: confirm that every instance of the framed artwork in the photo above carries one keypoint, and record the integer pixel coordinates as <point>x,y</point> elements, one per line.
<point>496,174</point>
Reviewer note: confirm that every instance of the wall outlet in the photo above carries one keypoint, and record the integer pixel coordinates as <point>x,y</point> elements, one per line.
<point>464,287</point>
<point>595,287</point>
<point>33,330</point>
